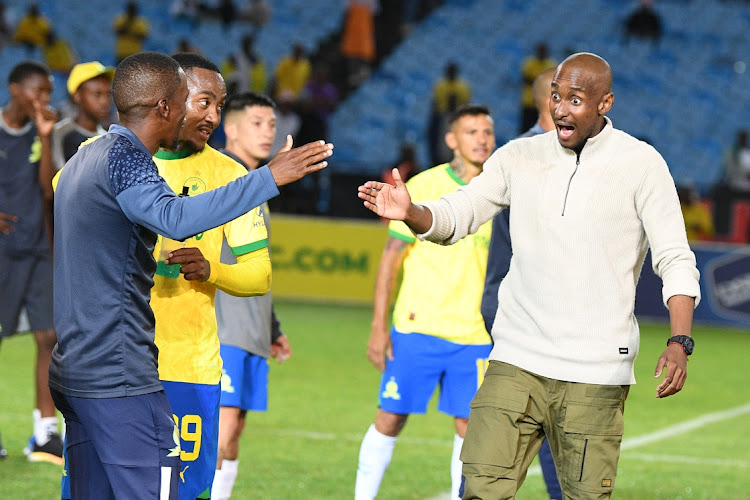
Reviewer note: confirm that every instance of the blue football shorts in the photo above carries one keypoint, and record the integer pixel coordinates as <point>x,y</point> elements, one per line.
<point>244,381</point>
<point>26,282</point>
<point>120,448</point>
<point>422,362</point>
<point>196,413</point>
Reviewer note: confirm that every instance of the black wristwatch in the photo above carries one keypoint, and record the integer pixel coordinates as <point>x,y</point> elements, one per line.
<point>686,341</point>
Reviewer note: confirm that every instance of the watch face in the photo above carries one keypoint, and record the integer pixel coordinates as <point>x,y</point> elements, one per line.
<point>686,341</point>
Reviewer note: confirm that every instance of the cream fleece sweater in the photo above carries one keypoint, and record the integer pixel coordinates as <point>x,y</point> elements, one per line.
<point>580,227</point>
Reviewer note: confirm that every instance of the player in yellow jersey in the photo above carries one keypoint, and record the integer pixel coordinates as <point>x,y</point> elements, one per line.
<point>186,332</point>
<point>438,335</point>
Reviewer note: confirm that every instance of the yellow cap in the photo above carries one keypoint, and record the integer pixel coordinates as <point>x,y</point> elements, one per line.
<point>86,71</point>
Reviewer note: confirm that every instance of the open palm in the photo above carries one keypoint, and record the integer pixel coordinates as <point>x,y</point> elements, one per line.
<point>391,202</point>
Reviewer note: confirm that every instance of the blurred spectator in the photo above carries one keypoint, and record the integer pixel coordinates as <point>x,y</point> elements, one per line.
<point>293,72</point>
<point>89,86</point>
<point>287,121</point>
<point>315,190</point>
<point>130,30</point>
<point>186,10</point>
<point>449,93</point>
<point>245,70</point>
<point>226,12</point>
<point>644,22</point>
<point>736,183</point>
<point>32,29</point>
<point>6,33</point>
<point>406,164</point>
<point>699,224</point>
<point>531,67</point>
<point>256,12</point>
<point>358,39</point>
<point>321,92</point>
<point>737,165</point>
<point>59,56</point>
<point>184,45</point>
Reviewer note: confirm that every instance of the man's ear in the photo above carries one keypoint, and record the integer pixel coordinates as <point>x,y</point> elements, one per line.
<point>606,103</point>
<point>163,107</point>
<point>76,98</point>
<point>450,140</point>
<point>230,130</point>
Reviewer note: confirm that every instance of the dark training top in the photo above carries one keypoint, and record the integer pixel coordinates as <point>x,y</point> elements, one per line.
<point>110,203</point>
<point>20,194</point>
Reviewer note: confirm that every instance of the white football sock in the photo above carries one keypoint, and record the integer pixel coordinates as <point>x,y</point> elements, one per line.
<point>224,480</point>
<point>456,465</point>
<point>374,457</point>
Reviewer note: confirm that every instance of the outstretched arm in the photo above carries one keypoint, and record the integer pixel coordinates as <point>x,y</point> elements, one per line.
<point>394,202</point>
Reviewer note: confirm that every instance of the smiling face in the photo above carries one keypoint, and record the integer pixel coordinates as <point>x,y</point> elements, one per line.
<point>581,96</point>
<point>472,137</point>
<point>206,97</point>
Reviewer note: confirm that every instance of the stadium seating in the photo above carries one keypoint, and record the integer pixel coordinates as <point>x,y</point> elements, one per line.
<point>88,26</point>
<point>686,96</point>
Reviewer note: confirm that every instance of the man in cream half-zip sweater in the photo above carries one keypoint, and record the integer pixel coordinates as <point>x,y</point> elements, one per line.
<point>588,202</point>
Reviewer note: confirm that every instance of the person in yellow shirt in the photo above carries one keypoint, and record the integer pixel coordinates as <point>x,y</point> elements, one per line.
<point>293,72</point>
<point>449,93</point>
<point>33,28</point>
<point>182,298</point>
<point>438,335</point>
<point>131,30</point>
<point>245,70</point>
<point>699,224</point>
<point>58,54</point>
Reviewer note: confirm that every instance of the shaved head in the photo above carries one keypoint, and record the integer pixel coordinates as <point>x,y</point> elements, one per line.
<point>590,68</point>
<point>141,80</point>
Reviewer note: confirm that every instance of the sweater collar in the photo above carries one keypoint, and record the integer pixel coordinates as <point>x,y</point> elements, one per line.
<point>593,144</point>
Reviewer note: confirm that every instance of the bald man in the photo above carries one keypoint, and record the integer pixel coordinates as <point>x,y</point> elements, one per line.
<point>110,204</point>
<point>501,250</point>
<point>588,202</point>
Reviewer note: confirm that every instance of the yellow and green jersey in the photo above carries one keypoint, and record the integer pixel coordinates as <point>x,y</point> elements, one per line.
<point>186,332</point>
<point>441,290</point>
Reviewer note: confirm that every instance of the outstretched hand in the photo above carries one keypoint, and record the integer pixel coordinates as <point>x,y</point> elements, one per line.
<point>391,202</point>
<point>291,165</point>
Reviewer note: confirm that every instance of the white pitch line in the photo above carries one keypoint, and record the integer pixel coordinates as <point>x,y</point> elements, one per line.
<point>684,427</point>
<point>672,431</point>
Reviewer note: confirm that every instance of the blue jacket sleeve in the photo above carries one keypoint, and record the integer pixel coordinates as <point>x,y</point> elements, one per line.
<point>498,264</point>
<point>156,207</point>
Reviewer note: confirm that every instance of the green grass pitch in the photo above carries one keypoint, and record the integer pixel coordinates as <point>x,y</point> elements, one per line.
<point>690,446</point>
